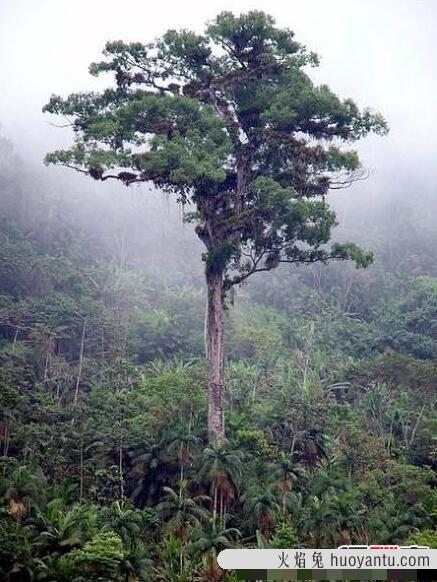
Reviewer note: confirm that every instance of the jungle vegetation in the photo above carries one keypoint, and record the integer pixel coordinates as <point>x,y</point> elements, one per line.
<point>107,468</point>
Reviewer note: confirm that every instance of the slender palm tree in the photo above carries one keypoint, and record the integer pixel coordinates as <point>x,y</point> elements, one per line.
<point>222,469</point>
<point>181,511</point>
<point>124,520</point>
<point>260,506</point>
<point>322,521</point>
<point>206,542</point>
<point>285,473</point>
<point>172,563</point>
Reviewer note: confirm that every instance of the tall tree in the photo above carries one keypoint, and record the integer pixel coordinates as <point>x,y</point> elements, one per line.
<point>229,122</point>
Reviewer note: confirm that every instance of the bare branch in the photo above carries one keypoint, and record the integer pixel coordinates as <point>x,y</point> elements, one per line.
<point>349,179</point>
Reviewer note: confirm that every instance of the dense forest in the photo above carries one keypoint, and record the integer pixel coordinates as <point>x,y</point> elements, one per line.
<point>107,472</point>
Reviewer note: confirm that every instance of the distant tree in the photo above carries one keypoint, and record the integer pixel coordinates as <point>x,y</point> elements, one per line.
<point>260,506</point>
<point>230,123</point>
<point>207,542</point>
<point>221,468</point>
<point>182,511</point>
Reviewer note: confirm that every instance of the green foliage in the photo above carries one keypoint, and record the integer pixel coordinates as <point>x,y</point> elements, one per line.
<point>409,324</point>
<point>330,435</point>
<point>425,537</point>
<point>330,378</point>
<point>230,122</point>
<point>254,440</point>
<point>285,536</point>
<point>100,559</point>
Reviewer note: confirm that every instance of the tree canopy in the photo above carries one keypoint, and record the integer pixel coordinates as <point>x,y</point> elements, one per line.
<point>230,122</point>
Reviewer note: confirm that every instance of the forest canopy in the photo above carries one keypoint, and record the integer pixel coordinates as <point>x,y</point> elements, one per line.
<point>107,471</point>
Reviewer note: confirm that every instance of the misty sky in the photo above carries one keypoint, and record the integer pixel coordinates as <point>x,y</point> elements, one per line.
<point>381,53</point>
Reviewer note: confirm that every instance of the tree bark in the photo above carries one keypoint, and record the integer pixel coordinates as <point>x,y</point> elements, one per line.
<point>215,356</point>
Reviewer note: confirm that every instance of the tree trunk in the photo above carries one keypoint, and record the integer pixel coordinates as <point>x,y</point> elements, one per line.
<point>79,373</point>
<point>215,356</point>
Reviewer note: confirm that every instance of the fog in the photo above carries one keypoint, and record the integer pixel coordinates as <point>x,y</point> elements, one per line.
<point>382,54</point>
